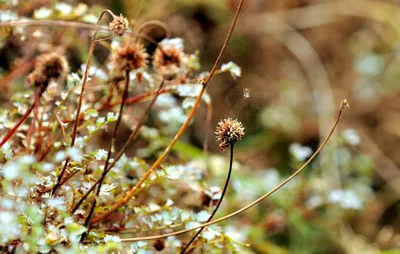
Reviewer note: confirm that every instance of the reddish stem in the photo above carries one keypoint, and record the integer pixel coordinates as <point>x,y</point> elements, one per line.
<point>11,132</point>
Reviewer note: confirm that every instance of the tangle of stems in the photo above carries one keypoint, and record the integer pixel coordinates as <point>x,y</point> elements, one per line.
<point>78,109</point>
<point>343,105</point>
<point>123,149</point>
<point>161,158</point>
<point>109,152</point>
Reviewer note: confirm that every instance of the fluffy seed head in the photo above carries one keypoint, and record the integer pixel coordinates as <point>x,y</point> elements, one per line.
<point>119,25</point>
<point>131,57</point>
<point>228,132</point>
<point>167,61</point>
<point>48,66</point>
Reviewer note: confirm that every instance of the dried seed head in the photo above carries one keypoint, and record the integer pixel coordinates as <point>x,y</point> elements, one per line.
<point>228,132</point>
<point>119,25</point>
<point>48,66</point>
<point>167,61</point>
<point>131,57</point>
<point>344,104</point>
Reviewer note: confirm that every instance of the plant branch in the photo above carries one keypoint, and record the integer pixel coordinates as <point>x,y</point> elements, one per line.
<point>343,104</point>
<point>160,159</point>
<point>219,202</point>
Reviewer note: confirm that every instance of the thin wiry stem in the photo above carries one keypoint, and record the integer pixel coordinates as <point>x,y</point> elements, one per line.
<point>110,149</point>
<point>74,24</point>
<point>219,202</point>
<point>343,104</point>
<point>78,110</point>
<point>14,129</point>
<point>123,149</point>
<point>160,159</point>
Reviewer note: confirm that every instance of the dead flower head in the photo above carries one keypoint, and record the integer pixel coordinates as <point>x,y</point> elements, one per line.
<point>50,66</point>
<point>167,61</point>
<point>228,132</point>
<point>128,58</point>
<point>119,25</point>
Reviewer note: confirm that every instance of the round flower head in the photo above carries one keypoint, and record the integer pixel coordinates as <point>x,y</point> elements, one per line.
<point>167,61</point>
<point>119,25</point>
<point>48,66</point>
<point>228,132</point>
<point>128,58</point>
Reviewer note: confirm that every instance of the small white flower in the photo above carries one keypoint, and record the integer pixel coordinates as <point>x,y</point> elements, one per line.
<point>192,224</point>
<point>106,189</point>
<point>112,238</point>
<point>100,121</point>
<point>351,137</point>
<point>233,68</point>
<point>56,202</point>
<point>75,154</point>
<point>203,216</point>
<point>90,18</point>
<point>346,199</point>
<point>42,13</point>
<point>101,154</point>
<point>6,16</point>
<point>172,43</point>
<point>11,171</point>
<point>300,152</point>
<point>47,167</point>
<point>6,149</point>
<point>91,129</point>
<point>63,8</point>
<point>60,156</point>
<point>111,117</point>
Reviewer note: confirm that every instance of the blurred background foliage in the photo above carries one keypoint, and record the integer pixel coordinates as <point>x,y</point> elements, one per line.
<point>298,59</point>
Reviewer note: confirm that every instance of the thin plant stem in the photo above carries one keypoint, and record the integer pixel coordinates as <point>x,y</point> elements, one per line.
<point>219,202</point>
<point>110,150</point>
<point>74,24</point>
<point>123,149</point>
<point>160,159</point>
<point>31,129</point>
<point>343,104</point>
<point>138,98</point>
<point>78,110</point>
<point>14,129</point>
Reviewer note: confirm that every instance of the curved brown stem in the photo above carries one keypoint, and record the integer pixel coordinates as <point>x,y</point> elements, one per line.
<point>343,104</point>
<point>160,159</point>
<point>219,202</point>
